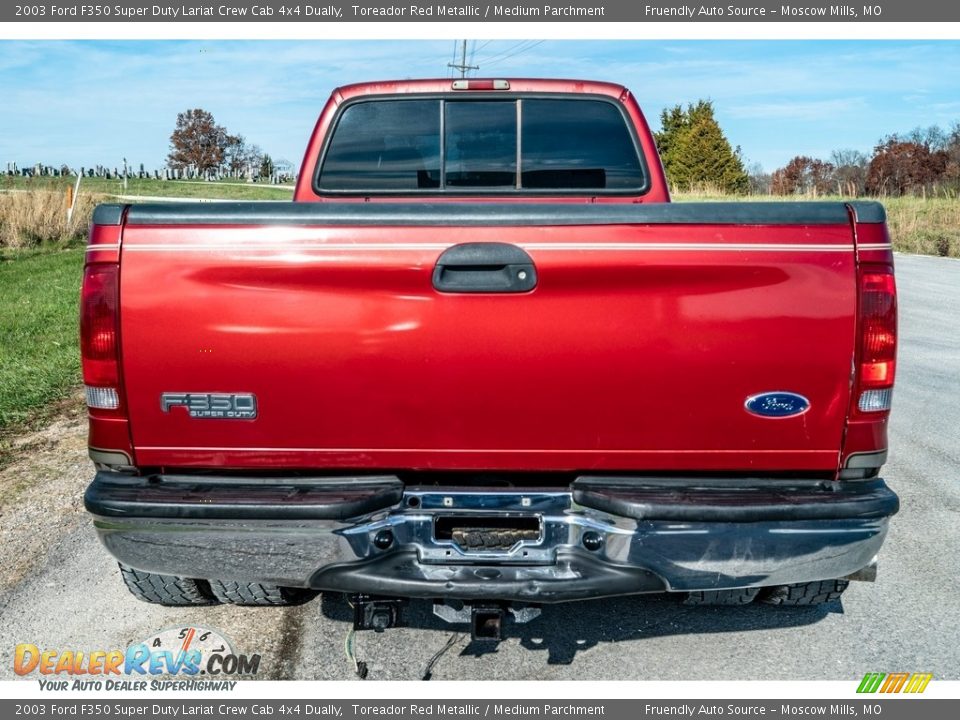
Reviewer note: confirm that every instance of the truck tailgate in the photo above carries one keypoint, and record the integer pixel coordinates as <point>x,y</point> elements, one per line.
<point>647,331</point>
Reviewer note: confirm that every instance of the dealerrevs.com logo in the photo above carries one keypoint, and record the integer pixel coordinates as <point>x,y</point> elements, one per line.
<point>188,652</point>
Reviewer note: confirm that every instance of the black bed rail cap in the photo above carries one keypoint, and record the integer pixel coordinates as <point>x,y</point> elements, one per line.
<point>108,214</point>
<point>869,211</point>
<point>499,213</point>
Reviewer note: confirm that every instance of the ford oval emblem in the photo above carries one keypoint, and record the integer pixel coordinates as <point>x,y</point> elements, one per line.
<point>777,404</point>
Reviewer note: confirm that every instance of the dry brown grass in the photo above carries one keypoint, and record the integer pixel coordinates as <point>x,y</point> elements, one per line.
<point>38,218</point>
<point>923,225</point>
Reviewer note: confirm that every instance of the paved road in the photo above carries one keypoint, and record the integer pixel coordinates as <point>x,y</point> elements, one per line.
<point>72,595</point>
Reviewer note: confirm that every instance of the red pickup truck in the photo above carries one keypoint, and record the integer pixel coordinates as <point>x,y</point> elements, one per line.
<point>481,358</point>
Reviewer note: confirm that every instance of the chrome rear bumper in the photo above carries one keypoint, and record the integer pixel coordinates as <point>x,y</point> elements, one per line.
<point>599,537</point>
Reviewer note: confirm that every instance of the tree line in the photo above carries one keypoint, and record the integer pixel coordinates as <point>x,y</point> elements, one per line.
<point>199,144</point>
<point>696,155</point>
<point>923,161</point>
<point>695,152</point>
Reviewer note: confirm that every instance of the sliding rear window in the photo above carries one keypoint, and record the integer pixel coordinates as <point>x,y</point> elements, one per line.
<point>518,145</point>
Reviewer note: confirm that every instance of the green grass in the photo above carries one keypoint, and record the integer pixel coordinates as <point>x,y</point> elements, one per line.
<point>223,190</point>
<point>39,346</point>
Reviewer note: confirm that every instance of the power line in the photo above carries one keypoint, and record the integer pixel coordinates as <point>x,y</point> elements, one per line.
<point>514,54</point>
<point>497,55</point>
<point>453,59</point>
<point>462,66</point>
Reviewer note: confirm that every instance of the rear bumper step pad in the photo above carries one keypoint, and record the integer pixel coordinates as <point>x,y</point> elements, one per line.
<point>735,501</point>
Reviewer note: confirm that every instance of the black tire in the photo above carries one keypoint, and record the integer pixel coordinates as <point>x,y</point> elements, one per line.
<point>818,592</point>
<point>240,593</point>
<point>166,589</point>
<point>738,596</point>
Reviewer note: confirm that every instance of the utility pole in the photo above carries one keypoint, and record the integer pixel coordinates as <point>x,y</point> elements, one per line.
<point>462,65</point>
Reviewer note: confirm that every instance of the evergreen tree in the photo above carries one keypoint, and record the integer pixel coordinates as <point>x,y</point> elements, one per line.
<point>695,152</point>
<point>673,122</point>
<point>266,167</point>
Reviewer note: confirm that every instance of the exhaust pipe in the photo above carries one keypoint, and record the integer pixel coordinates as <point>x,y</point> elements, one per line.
<point>865,574</point>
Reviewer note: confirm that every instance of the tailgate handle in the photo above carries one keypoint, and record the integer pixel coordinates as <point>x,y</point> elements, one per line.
<point>484,267</point>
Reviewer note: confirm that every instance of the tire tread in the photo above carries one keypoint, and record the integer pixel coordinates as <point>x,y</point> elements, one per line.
<point>169,590</point>
<point>258,594</point>
<point>818,592</point>
<point>734,597</point>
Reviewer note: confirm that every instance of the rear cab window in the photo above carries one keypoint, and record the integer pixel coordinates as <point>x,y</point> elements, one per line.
<point>535,145</point>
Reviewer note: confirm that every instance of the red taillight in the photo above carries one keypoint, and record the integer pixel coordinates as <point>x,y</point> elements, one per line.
<point>878,338</point>
<point>99,336</point>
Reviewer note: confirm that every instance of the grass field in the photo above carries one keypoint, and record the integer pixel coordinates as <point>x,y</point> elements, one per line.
<point>186,189</point>
<point>925,226</point>
<point>39,347</point>
<point>33,210</point>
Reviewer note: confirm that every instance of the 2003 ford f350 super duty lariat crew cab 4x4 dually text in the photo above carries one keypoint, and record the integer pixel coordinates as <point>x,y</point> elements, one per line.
<point>481,358</point>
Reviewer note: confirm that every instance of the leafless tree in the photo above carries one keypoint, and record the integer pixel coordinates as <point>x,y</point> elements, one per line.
<point>198,142</point>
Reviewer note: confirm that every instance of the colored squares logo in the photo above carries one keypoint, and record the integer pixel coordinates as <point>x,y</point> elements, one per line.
<point>894,682</point>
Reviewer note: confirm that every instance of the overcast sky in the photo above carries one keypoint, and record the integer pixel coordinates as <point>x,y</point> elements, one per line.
<point>86,102</point>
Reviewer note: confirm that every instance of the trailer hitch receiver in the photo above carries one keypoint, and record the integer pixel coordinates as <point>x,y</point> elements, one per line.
<point>486,623</point>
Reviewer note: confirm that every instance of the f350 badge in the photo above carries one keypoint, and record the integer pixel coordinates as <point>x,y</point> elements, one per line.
<point>212,406</point>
